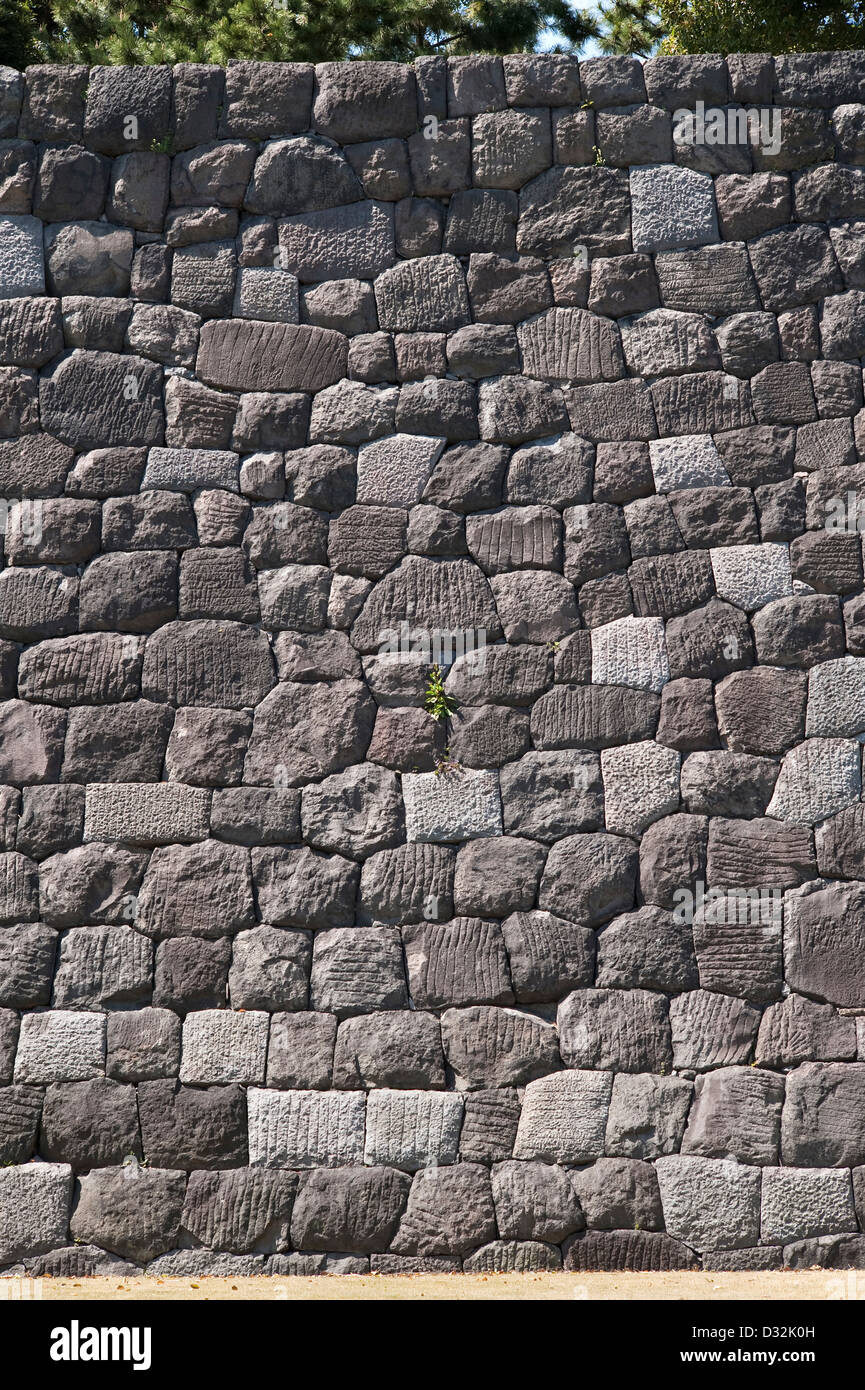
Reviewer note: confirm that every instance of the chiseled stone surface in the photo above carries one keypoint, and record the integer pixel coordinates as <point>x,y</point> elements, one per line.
<point>641,785</point>
<point>432,668</point>
<point>412,1129</point>
<point>221,1047</point>
<point>817,779</point>
<point>305,1129</point>
<point>630,651</point>
<point>452,805</point>
<point>146,813</point>
<point>672,207</point>
<point>750,576</point>
<point>564,1117</point>
<point>836,699</point>
<point>60,1046</point>
<point>710,1203</point>
<point>688,461</point>
<point>34,1208</point>
<point>798,1203</point>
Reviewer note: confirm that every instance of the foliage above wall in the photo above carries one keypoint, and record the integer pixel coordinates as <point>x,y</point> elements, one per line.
<point>773,26</point>
<point>159,31</point>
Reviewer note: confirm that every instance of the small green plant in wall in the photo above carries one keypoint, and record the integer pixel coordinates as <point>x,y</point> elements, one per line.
<point>446,766</point>
<point>437,702</point>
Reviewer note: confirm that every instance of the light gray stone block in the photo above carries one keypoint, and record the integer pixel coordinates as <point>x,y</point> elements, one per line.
<point>836,698</point>
<point>564,1117</point>
<point>305,1129</point>
<point>146,813</point>
<point>60,1046</point>
<point>222,1046</point>
<point>710,1203</point>
<point>187,470</point>
<point>393,472</point>
<point>752,575</point>
<point>641,784</point>
<point>34,1208</point>
<point>452,806</point>
<point>799,1203</point>
<point>413,1129</point>
<point>630,651</point>
<point>688,460</point>
<point>266,293</point>
<point>351,412</point>
<point>204,1264</point>
<point>818,778</point>
<point>671,207</point>
<point>22,265</point>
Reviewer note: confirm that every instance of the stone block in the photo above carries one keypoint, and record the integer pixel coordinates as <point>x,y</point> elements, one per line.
<point>305,1129</point>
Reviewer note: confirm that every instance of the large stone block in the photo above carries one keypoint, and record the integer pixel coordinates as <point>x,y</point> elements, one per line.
<point>412,1130</point>
<point>355,1210</point>
<point>98,399</point>
<point>672,207</point>
<point>306,1129</point>
<point>564,1117</point>
<point>248,355</point>
<point>222,1047</point>
<point>823,927</point>
<point>22,268</point>
<point>630,651</point>
<point>817,779</point>
<point>60,1046</point>
<point>364,101</point>
<point>352,242</point>
<point>710,1203</point>
<point>449,1211</point>
<point>358,972</point>
<point>424,295</point>
<point>823,1122</point>
<point>132,1211</point>
<point>204,889</point>
<point>800,1203</point>
<point>451,806</point>
<point>145,814</point>
<point>34,1208</point>
<point>569,207</point>
<point>98,967</point>
<point>624,1030</point>
<point>459,962</point>
<point>647,1115</point>
<point>641,785</point>
<point>489,1047</point>
<point>736,1114</point>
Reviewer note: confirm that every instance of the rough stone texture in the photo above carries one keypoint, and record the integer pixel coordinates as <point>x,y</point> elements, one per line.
<point>710,1203</point>
<point>35,1209</point>
<point>309,963</point>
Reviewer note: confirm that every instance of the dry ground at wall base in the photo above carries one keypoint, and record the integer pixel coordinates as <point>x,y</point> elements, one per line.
<point>805,1285</point>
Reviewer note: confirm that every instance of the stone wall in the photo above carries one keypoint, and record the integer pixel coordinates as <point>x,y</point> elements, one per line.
<point>313,380</point>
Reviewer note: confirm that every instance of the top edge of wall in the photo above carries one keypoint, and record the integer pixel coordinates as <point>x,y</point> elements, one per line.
<point>358,101</point>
